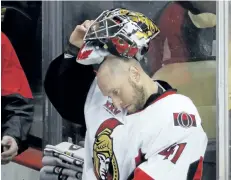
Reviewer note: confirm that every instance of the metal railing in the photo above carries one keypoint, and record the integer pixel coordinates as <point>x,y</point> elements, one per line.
<point>222,91</point>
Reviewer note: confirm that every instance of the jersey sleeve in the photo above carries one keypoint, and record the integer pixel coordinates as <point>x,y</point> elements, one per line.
<point>174,142</point>
<point>66,85</point>
<point>171,163</point>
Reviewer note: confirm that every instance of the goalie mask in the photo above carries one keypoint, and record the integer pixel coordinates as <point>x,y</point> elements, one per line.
<point>119,32</point>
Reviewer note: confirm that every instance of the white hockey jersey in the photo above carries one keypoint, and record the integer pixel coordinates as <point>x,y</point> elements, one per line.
<point>164,141</point>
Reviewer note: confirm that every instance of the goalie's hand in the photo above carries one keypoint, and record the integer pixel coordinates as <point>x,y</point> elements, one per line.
<point>78,34</point>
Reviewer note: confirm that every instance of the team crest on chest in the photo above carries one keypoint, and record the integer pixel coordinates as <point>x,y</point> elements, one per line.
<point>105,163</point>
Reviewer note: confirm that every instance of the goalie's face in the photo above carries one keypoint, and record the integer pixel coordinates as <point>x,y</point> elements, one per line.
<point>123,88</point>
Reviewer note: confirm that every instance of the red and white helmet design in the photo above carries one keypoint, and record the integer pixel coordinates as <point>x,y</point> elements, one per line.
<point>119,32</point>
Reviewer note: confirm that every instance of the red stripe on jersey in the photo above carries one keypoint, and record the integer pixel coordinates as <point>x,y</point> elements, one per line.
<point>198,174</point>
<point>141,175</point>
<point>138,158</point>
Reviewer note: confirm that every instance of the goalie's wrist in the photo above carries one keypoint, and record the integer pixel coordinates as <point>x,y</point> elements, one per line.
<point>72,50</point>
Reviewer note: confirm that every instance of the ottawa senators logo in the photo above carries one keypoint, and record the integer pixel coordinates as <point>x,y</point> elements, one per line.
<point>105,164</point>
<point>184,120</point>
<point>150,30</point>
